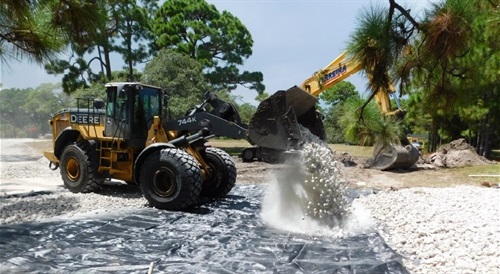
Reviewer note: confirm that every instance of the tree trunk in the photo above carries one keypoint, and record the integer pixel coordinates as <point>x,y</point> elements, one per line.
<point>99,51</point>
<point>129,52</point>
<point>433,139</point>
<point>487,145</point>
<point>106,51</point>
<point>482,139</point>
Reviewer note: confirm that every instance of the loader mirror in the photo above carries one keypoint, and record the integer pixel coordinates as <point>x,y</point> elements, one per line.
<point>165,100</point>
<point>98,103</point>
<point>122,94</point>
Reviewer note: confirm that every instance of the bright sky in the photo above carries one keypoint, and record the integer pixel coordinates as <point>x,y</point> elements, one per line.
<point>292,40</point>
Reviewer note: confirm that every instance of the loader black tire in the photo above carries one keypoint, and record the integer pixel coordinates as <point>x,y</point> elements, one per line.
<point>170,179</point>
<point>79,166</point>
<point>223,177</point>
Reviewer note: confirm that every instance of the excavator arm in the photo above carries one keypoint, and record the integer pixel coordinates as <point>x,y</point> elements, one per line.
<point>334,73</point>
<point>337,71</point>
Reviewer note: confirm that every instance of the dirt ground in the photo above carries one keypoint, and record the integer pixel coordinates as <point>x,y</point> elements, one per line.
<point>422,175</point>
<point>462,161</point>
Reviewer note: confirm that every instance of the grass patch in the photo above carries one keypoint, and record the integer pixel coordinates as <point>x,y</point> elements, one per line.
<point>357,151</point>
<point>231,146</point>
<point>223,143</point>
<point>464,173</point>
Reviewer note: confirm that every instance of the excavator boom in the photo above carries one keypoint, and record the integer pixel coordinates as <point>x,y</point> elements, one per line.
<point>334,73</point>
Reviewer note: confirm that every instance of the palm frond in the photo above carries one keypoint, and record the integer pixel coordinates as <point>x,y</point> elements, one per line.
<point>448,29</point>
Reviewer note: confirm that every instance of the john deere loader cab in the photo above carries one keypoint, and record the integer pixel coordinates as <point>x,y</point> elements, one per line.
<point>130,110</point>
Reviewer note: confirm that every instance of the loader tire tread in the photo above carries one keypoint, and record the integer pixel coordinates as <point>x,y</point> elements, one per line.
<point>224,176</point>
<point>185,178</point>
<point>89,180</point>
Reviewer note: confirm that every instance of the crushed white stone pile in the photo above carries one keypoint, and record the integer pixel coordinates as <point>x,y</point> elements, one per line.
<point>441,230</point>
<point>40,207</point>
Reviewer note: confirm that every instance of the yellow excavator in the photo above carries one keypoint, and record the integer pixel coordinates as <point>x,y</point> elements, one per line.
<point>275,129</point>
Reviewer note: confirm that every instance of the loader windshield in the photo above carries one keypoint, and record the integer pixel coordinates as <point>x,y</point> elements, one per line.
<point>146,106</point>
<point>148,102</point>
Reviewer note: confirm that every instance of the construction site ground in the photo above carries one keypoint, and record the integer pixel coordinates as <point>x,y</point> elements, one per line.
<point>471,169</point>
<point>52,230</point>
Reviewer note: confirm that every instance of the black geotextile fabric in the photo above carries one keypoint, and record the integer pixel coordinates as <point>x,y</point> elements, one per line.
<point>224,236</point>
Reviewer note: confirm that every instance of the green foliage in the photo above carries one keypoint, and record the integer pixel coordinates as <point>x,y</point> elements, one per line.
<point>338,93</point>
<point>458,77</point>
<point>246,111</point>
<point>333,129</point>
<point>38,30</point>
<point>180,76</point>
<point>123,28</point>
<point>132,19</point>
<point>218,40</point>
<point>377,43</point>
<point>448,58</point>
<point>335,98</point>
<point>25,112</point>
<point>83,97</point>
<point>373,126</point>
<point>417,120</point>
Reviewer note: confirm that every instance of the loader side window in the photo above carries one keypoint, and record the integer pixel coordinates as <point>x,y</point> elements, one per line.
<point>110,107</point>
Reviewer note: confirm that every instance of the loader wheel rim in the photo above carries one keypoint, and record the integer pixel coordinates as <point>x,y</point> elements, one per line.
<point>164,183</point>
<point>73,169</point>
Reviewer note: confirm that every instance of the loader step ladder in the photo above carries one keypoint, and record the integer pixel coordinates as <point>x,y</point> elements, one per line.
<point>108,153</point>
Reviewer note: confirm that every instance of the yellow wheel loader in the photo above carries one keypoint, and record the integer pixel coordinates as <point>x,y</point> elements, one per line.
<point>276,128</point>
<point>129,138</point>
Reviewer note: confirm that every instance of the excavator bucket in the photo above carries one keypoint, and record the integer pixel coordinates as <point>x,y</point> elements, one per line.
<point>394,156</point>
<point>277,122</point>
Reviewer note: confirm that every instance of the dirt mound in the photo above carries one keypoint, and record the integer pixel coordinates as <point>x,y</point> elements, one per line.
<point>458,153</point>
<point>459,144</point>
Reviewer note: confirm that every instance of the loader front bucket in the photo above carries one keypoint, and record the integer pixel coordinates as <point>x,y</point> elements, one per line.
<point>276,123</point>
<point>394,156</point>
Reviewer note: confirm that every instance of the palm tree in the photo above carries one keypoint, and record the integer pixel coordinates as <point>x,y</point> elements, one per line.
<point>391,44</point>
<point>38,30</point>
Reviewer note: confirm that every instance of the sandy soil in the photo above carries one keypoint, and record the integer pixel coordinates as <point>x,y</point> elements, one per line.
<point>422,175</point>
